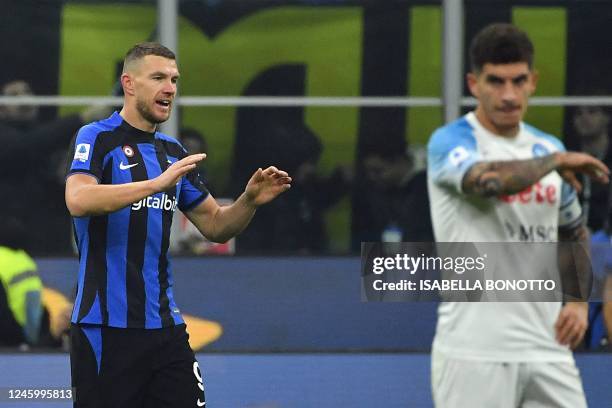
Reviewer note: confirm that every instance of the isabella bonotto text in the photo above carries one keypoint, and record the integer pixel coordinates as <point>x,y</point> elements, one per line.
<point>464,285</point>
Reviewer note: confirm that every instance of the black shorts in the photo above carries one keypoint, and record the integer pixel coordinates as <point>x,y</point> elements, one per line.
<point>133,368</point>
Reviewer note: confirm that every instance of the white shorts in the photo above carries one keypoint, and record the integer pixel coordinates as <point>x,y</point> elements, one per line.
<point>466,383</point>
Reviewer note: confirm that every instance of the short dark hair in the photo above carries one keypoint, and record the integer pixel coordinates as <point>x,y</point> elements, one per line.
<point>143,49</point>
<point>500,43</point>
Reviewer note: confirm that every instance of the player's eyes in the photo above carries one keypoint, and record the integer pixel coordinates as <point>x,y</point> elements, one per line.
<point>520,81</point>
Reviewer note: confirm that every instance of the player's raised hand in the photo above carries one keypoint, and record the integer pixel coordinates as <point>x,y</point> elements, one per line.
<point>571,163</point>
<point>266,185</point>
<point>174,172</point>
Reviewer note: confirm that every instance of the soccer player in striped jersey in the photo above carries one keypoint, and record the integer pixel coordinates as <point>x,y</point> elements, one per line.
<point>493,178</point>
<point>129,344</point>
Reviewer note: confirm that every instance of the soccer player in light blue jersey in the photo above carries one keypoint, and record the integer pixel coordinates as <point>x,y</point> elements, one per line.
<point>493,178</point>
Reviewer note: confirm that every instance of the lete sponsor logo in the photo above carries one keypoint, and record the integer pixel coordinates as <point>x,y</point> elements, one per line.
<point>537,193</point>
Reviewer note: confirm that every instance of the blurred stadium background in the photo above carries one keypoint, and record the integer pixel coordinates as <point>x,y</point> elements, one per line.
<point>284,326</point>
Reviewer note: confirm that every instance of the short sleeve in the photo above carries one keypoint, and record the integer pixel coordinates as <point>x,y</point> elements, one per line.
<point>193,191</point>
<point>86,153</point>
<point>451,152</point>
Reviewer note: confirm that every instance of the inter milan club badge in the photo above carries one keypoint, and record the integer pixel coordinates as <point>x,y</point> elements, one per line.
<point>129,152</point>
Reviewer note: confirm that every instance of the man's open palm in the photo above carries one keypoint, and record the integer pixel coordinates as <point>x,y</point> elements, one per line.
<point>266,185</point>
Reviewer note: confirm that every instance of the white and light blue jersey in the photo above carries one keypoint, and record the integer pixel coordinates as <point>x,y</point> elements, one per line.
<point>496,331</point>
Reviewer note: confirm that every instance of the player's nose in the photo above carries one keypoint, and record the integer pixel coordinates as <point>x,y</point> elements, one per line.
<point>169,88</point>
<point>509,92</point>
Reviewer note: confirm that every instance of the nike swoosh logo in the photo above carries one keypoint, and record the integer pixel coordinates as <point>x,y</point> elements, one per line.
<point>126,166</point>
<point>200,404</point>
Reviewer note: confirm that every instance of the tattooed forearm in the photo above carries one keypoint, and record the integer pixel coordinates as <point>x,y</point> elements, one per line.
<point>507,177</point>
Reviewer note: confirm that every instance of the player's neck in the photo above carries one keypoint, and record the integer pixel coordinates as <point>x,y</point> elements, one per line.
<point>134,119</point>
<point>509,132</point>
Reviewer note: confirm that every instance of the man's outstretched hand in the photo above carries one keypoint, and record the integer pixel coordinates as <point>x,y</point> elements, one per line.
<point>265,185</point>
<point>570,163</point>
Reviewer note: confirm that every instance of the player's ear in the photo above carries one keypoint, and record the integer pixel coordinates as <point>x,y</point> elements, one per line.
<point>472,82</point>
<point>127,82</point>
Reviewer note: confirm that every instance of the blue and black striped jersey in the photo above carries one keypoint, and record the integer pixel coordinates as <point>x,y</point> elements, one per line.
<point>125,277</point>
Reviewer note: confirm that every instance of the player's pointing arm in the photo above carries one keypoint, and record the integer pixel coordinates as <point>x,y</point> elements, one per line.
<point>510,177</point>
<point>85,197</point>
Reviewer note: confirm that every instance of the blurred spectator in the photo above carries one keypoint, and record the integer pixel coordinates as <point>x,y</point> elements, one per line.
<point>600,312</point>
<point>295,221</point>
<point>195,142</point>
<point>393,200</point>
<point>607,308</point>
<point>279,136</point>
<point>31,153</point>
<point>24,321</point>
<point>185,238</point>
<point>591,127</point>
